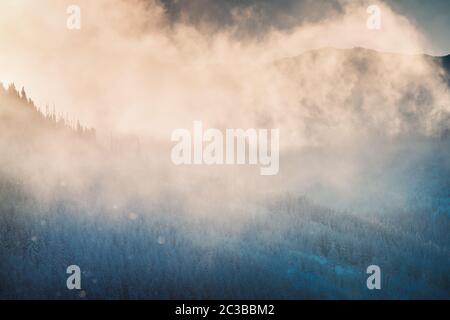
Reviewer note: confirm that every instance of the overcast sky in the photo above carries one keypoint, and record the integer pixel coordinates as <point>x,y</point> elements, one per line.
<point>432,17</point>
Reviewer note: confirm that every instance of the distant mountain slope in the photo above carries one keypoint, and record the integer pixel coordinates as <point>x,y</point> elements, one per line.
<point>445,61</point>
<point>358,52</point>
<point>365,92</point>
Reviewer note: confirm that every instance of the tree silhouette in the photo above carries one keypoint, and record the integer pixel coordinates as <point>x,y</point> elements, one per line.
<point>11,97</point>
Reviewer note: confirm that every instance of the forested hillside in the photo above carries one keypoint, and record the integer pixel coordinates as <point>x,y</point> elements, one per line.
<point>20,115</point>
<point>65,200</point>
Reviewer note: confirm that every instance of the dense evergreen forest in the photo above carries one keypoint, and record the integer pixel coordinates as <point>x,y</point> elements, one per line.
<point>58,208</point>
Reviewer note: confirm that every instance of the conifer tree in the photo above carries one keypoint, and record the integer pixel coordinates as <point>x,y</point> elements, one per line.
<point>23,94</point>
<point>12,91</point>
